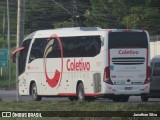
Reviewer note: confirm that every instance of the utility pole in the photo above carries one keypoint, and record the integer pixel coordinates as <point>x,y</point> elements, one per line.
<point>4,21</point>
<point>74,13</point>
<point>20,22</point>
<point>8,43</point>
<point>20,33</point>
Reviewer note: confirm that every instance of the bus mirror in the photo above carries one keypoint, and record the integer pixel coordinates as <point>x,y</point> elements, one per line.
<point>15,52</point>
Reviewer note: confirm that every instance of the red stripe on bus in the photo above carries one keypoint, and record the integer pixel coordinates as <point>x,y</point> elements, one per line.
<point>67,94</point>
<point>74,94</point>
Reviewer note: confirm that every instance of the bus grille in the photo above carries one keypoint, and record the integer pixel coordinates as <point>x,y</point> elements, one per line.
<point>128,60</point>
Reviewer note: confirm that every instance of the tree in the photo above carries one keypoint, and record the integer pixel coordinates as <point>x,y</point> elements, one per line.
<point>138,14</point>
<point>106,13</point>
<point>44,14</point>
<point>143,16</point>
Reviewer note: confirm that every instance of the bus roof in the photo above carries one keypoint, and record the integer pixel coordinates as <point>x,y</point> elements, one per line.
<point>62,31</point>
<point>73,31</point>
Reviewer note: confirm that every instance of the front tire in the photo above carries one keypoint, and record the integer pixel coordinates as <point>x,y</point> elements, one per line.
<point>80,92</point>
<point>34,93</point>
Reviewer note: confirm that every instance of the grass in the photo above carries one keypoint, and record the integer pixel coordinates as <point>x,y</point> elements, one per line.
<point>81,107</point>
<point>78,106</point>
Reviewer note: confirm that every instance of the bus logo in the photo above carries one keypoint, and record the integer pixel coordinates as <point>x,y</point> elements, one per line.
<point>53,82</point>
<point>131,52</point>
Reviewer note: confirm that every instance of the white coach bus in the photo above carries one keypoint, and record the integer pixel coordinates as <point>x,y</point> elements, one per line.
<point>84,63</point>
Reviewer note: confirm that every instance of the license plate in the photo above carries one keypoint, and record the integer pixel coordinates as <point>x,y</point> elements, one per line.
<point>120,83</point>
<point>128,88</point>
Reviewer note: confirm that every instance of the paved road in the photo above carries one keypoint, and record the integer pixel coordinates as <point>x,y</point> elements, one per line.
<point>7,95</point>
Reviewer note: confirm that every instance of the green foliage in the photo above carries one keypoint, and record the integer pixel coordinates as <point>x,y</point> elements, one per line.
<point>42,14</point>
<point>138,14</point>
<point>78,106</point>
<point>84,107</point>
<point>64,24</point>
<point>4,83</point>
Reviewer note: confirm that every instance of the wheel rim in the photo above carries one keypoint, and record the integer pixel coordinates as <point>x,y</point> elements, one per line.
<point>81,92</point>
<point>34,92</point>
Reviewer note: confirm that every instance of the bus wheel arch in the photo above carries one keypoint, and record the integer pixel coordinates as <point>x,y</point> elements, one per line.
<point>80,91</point>
<point>33,91</point>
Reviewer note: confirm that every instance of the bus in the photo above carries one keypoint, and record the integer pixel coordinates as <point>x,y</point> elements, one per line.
<point>84,63</point>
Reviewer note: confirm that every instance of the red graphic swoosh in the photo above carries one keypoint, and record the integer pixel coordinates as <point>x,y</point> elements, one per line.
<point>53,82</point>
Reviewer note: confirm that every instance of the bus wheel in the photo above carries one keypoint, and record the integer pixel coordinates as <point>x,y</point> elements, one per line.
<point>80,92</point>
<point>125,98</point>
<point>144,98</point>
<point>34,93</point>
<point>116,98</point>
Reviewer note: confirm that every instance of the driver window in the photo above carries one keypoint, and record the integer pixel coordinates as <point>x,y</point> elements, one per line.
<point>23,56</point>
<point>37,49</point>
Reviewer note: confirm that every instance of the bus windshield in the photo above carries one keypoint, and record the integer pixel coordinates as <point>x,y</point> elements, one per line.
<point>128,40</point>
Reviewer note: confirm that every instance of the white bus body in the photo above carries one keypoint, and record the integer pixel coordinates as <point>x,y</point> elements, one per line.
<point>82,63</point>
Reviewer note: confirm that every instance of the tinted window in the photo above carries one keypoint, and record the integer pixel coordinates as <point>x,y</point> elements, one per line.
<point>23,55</point>
<point>37,49</point>
<point>81,46</point>
<point>128,40</point>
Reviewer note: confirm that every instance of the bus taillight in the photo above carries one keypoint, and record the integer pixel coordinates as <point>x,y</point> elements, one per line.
<point>127,30</point>
<point>148,73</point>
<point>106,77</point>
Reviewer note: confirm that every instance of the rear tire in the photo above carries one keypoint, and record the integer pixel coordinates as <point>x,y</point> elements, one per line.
<point>144,98</point>
<point>116,98</point>
<point>125,98</point>
<point>34,93</point>
<point>80,92</point>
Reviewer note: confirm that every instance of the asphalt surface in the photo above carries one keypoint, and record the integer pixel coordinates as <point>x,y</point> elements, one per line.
<point>11,95</point>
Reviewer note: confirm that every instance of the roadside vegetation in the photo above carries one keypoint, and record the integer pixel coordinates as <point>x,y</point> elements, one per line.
<point>82,107</point>
<point>4,82</point>
<point>77,106</point>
